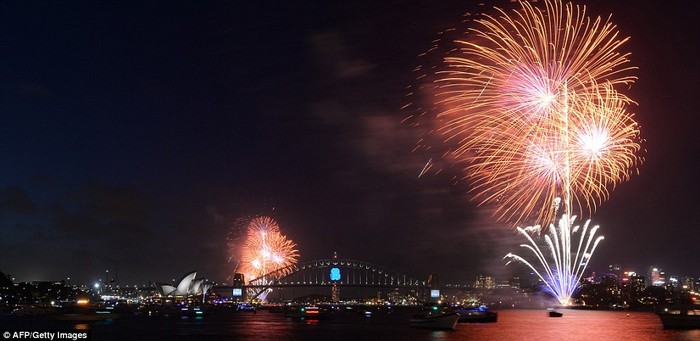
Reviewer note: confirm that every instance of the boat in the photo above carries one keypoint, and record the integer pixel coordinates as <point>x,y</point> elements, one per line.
<point>681,316</point>
<point>307,312</point>
<point>476,315</point>
<point>554,313</point>
<point>247,308</point>
<point>85,316</point>
<point>433,320</point>
<point>30,310</point>
<point>193,311</point>
<point>87,313</point>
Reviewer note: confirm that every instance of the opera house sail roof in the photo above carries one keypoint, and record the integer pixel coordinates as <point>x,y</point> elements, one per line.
<point>186,286</point>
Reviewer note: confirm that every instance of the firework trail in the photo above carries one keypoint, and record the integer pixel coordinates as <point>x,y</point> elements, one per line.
<point>529,102</point>
<point>561,269</point>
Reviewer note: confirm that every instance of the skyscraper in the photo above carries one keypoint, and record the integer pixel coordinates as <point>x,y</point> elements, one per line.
<point>656,276</point>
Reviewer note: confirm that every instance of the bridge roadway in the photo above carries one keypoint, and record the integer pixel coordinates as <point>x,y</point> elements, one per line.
<point>327,284</point>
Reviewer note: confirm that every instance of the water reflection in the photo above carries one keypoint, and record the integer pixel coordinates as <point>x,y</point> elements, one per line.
<point>312,322</point>
<point>81,326</point>
<point>511,325</point>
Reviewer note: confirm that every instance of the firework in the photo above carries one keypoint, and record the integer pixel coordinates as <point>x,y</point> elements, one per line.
<point>561,270</point>
<point>529,102</point>
<point>265,249</point>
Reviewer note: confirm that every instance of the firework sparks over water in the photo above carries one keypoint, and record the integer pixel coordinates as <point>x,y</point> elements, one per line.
<point>529,101</point>
<point>561,270</point>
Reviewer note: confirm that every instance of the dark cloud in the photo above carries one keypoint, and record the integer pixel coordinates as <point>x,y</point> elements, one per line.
<point>98,226</point>
<point>36,90</point>
<point>16,200</point>
<point>333,53</point>
<point>39,236</point>
<point>116,205</point>
<point>74,225</point>
<point>103,212</point>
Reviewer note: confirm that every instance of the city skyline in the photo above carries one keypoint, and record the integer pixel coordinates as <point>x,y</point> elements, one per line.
<point>652,275</point>
<point>133,138</point>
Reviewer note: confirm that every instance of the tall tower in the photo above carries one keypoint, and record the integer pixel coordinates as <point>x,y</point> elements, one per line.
<point>335,277</point>
<point>238,286</point>
<point>434,283</point>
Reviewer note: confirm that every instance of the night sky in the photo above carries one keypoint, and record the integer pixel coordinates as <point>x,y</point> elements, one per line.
<point>133,136</point>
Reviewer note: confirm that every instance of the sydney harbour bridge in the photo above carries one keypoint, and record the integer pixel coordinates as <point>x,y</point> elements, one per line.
<point>331,272</point>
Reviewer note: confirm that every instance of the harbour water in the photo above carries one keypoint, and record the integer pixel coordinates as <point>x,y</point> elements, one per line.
<point>382,325</point>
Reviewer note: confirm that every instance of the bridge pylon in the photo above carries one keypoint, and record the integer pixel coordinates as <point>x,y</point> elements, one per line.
<point>335,291</point>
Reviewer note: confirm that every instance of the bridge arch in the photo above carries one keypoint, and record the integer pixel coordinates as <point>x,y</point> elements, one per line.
<point>352,272</point>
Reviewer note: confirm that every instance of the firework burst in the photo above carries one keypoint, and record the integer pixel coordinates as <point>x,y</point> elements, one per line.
<point>265,249</point>
<point>530,104</point>
<point>530,101</point>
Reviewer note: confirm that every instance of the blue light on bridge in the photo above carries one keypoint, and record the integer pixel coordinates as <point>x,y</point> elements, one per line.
<point>335,274</point>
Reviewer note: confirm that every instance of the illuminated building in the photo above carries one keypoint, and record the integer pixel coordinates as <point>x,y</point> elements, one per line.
<point>636,283</point>
<point>186,286</point>
<point>434,283</point>
<point>626,276</point>
<point>238,280</point>
<point>484,282</point>
<point>656,277</point>
<point>673,284</point>
<point>616,270</point>
<point>515,282</point>
<point>687,284</point>
<point>238,283</point>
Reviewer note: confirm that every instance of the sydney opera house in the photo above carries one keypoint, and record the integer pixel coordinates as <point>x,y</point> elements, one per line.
<point>187,286</point>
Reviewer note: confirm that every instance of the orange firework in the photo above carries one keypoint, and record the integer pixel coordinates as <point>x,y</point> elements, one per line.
<point>265,249</point>
<point>529,100</point>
